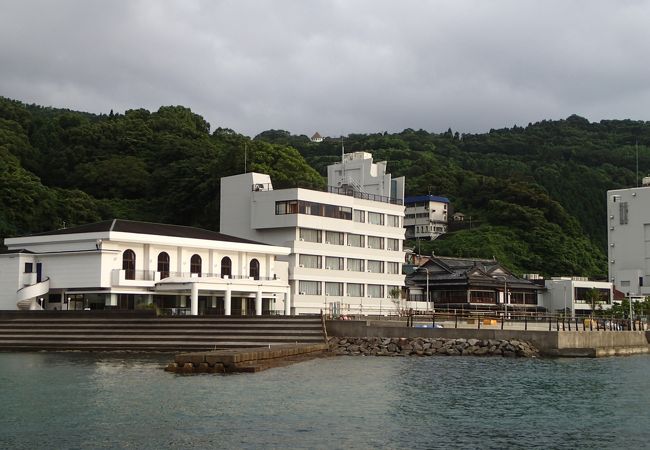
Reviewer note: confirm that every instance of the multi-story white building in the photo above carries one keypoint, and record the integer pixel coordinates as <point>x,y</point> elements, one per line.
<point>571,295</point>
<point>425,216</point>
<point>628,231</point>
<point>120,264</point>
<point>346,250</point>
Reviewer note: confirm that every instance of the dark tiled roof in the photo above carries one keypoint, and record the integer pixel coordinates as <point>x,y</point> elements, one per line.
<point>158,229</point>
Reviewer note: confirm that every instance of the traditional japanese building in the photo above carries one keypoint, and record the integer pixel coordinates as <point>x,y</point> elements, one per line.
<point>471,283</point>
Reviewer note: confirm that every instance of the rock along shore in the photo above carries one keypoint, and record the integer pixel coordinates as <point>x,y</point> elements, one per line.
<point>374,346</point>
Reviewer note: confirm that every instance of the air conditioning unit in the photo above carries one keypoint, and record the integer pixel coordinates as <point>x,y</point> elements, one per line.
<point>328,268</point>
<point>349,245</point>
<point>301,265</point>
<point>369,271</point>
<point>389,249</point>
<point>302,239</point>
<point>301,293</point>
<point>327,294</point>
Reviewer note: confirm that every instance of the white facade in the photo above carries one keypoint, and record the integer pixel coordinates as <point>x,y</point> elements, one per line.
<point>346,252</point>
<point>129,265</point>
<point>570,294</point>
<point>628,231</point>
<point>425,216</point>
<point>357,171</point>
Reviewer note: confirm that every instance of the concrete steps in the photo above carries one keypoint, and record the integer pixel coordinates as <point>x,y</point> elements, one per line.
<point>164,334</point>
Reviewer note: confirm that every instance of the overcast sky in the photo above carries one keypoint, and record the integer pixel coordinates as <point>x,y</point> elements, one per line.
<point>336,67</point>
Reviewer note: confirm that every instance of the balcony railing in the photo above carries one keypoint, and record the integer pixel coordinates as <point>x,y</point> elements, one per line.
<point>213,275</point>
<point>258,187</point>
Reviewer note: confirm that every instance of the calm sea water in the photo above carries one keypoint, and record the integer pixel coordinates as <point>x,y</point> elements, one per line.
<point>83,400</point>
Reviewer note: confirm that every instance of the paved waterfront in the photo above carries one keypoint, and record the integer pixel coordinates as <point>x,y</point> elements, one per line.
<point>77,400</point>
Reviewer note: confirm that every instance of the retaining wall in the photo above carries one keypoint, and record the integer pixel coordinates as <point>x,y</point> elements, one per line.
<point>551,343</point>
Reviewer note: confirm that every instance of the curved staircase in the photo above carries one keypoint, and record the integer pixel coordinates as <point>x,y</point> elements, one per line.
<point>27,296</point>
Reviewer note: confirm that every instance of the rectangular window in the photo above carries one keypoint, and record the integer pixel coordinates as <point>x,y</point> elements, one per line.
<point>355,265</point>
<point>310,287</point>
<point>359,216</point>
<point>375,242</point>
<point>623,212</point>
<point>286,207</point>
<point>392,244</point>
<point>393,221</point>
<point>309,235</point>
<point>375,218</point>
<point>29,267</point>
<point>333,263</point>
<point>375,290</point>
<point>392,267</point>
<point>334,238</point>
<point>345,212</point>
<point>355,240</point>
<point>310,261</point>
<point>375,266</point>
<point>355,290</point>
<point>333,288</point>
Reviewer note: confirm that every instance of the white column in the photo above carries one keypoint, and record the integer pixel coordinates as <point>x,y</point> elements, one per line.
<point>258,303</point>
<point>287,304</point>
<point>194,300</point>
<point>227,300</point>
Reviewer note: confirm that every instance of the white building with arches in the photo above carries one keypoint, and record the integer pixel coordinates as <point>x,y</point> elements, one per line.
<point>121,264</point>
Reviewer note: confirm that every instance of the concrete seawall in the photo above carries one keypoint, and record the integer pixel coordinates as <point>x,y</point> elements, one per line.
<point>549,343</point>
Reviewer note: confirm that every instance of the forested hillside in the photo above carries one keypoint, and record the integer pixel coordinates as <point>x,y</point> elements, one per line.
<point>536,195</point>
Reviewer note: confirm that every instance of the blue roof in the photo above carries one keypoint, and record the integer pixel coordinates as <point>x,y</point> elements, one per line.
<point>425,198</point>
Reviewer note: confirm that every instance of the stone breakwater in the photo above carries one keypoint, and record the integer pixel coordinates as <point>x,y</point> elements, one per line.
<point>373,346</point>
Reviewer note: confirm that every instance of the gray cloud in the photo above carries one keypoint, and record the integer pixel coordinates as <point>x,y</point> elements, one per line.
<point>333,66</point>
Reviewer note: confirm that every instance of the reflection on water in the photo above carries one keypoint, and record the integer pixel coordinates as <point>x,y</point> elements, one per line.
<point>119,400</point>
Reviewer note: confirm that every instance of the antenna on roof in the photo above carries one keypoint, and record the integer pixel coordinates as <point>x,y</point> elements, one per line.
<point>342,149</point>
<point>245,154</point>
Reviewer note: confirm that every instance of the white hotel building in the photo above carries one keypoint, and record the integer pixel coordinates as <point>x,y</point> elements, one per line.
<point>345,245</point>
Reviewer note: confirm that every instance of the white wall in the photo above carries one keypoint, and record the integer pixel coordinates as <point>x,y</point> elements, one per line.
<point>629,243</point>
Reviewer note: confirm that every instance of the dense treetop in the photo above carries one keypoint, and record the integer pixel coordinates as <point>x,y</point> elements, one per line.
<point>536,195</point>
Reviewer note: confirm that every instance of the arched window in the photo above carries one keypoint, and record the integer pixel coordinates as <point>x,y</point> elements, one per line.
<point>163,265</point>
<point>195,264</point>
<point>226,267</point>
<point>254,269</point>
<point>128,264</point>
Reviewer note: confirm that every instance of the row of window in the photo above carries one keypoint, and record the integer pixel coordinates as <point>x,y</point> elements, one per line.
<point>422,215</point>
<point>307,287</point>
<point>351,264</point>
<point>196,265</point>
<point>335,212</point>
<point>353,240</point>
<point>424,205</point>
